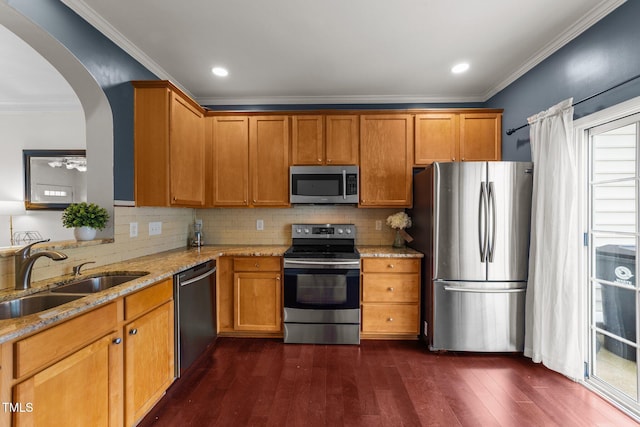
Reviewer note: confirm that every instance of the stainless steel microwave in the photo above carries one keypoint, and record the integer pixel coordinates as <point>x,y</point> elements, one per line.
<point>323,184</point>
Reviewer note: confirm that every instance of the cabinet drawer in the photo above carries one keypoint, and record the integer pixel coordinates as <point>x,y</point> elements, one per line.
<point>146,299</point>
<point>391,265</point>
<point>382,287</point>
<point>256,264</point>
<point>63,339</point>
<point>390,318</point>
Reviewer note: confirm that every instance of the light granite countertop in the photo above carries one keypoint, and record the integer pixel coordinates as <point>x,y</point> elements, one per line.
<point>158,266</point>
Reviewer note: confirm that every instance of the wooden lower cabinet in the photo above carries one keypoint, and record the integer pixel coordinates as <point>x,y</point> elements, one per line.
<point>106,367</point>
<point>249,296</point>
<point>149,363</point>
<point>79,390</point>
<point>390,297</point>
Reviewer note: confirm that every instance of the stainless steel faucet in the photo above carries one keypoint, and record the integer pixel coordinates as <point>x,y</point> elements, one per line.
<point>24,261</point>
<point>77,268</point>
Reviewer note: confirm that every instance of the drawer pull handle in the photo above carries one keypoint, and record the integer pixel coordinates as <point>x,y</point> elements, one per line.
<point>117,341</point>
<point>390,319</point>
<point>390,289</point>
<point>133,331</point>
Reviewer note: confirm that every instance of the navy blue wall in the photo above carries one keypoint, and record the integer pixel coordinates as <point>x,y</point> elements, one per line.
<point>111,67</point>
<point>606,54</point>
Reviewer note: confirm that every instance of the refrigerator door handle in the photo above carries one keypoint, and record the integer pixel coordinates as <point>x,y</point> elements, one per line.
<point>485,291</point>
<point>483,222</point>
<point>492,211</point>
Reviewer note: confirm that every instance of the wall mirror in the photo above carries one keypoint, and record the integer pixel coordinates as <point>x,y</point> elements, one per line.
<point>54,178</point>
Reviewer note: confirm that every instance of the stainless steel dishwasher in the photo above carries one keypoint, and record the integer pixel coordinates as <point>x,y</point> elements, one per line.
<point>195,317</point>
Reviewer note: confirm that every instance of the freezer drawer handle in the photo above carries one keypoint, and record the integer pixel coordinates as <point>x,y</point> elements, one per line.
<point>485,291</point>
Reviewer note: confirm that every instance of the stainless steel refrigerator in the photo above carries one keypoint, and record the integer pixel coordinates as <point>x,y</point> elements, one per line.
<point>472,221</point>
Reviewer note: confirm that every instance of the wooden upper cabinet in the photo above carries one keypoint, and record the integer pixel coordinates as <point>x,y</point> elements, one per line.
<point>168,146</point>
<point>307,140</point>
<point>386,148</point>
<point>342,139</point>
<point>229,159</point>
<point>186,153</point>
<point>457,136</point>
<point>480,136</point>
<point>324,139</point>
<point>269,160</point>
<point>436,138</point>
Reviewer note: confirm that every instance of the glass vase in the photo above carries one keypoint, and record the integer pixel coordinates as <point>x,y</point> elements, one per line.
<point>398,241</point>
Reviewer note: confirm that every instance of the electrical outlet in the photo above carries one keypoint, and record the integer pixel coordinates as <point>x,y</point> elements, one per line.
<point>133,229</point>
<point>259,225</point>
<point>378,225</point>
<point>155,228</point>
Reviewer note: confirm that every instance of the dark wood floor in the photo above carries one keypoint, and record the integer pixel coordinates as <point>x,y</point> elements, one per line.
<point>261,382</point>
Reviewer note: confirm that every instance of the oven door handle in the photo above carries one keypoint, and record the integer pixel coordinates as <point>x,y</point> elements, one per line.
<point>327,263</point>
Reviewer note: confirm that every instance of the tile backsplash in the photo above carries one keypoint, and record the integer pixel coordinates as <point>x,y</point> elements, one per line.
<point>238,226</point>
<point>220,227</point>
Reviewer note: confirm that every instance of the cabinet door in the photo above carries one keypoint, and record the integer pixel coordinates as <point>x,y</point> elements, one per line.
<point>436,138</point>
<point>149,363</point>
<point>186,153</point>
<point>257,298</point>
<point>151,146</point>
<point>341,144</point>
<point>307,140</point>
<point>480,137</point>
<point>82,389</point>
<point>386,146</point>
<point>230,140</point>
<point>269,160</point>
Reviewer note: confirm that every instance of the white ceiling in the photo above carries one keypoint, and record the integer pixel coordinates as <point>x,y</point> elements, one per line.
<point>337,51</point>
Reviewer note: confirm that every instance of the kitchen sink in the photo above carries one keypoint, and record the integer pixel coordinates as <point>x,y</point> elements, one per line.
<point>95,284</point>
<point>33,304</point>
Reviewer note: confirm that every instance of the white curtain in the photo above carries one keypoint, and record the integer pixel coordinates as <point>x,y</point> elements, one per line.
<point>552,331</point>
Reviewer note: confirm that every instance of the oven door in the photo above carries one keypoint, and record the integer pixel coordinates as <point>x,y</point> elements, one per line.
<point>321,289</point>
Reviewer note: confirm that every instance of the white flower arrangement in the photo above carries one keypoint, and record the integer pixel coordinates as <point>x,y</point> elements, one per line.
<point>399,221</point>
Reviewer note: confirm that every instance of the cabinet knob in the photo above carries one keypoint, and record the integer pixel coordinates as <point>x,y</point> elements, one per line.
<point>391,265</point>
<point>254,200</point>
<point>390,319</point>
<point>117,341</point>
<point>278,278</point>
<point>257,265</point>
<point>329,160</point>
<point>390,289</point>
<point>319,160</point>
<point>133,331</point>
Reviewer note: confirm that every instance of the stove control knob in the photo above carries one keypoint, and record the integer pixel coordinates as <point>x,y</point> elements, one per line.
<point>348,231</point>
<point>299,230</point>
<point>306,230</point>
<point>340,231</point>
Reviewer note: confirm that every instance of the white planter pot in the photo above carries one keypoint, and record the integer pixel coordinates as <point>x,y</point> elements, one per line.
<point>84,233</point>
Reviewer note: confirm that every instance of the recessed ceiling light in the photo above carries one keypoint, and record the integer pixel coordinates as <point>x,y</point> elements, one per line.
<point>460,68</point>
<point>219,71</point>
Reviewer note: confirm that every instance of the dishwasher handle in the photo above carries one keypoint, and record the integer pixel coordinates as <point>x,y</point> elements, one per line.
<point>197,278</point>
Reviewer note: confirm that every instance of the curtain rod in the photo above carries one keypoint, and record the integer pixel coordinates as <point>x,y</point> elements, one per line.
<point>512,130</point>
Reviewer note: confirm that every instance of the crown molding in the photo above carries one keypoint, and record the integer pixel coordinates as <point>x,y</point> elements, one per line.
<point>338,99</point>
<point>587,21</point>
<point>98,22</point>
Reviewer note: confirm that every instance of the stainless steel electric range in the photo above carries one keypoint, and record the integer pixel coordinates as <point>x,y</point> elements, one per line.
<point>322,285</point>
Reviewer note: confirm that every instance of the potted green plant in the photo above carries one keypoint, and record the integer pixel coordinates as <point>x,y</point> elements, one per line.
<point>85,218</point>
